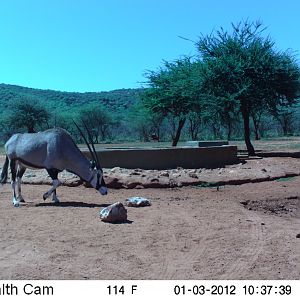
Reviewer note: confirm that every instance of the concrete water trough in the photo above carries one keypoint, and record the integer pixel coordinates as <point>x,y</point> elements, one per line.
<point>167,158</point>
<point>205,143</point>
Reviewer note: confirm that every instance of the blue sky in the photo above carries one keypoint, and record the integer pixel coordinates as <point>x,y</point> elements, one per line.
<point>98,45</point>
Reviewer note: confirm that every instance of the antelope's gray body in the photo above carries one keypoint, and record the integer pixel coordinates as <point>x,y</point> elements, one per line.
<point>53,150</point>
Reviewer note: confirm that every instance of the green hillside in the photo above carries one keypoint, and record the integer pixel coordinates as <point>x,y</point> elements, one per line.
<point>115,101</point>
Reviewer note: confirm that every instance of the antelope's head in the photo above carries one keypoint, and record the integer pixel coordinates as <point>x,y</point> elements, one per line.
<point>96,180</point>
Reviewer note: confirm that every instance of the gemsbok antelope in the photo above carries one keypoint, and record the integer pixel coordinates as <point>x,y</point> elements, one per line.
<point>55,151</point>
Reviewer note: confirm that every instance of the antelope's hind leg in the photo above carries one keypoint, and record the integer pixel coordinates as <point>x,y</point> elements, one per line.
<point>20,172</point>
<point>53,173</point>
<point>13,182</point>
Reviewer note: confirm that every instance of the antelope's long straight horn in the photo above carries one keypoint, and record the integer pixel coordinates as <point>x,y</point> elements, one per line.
<point>93,146</point>
<point>85,140</point>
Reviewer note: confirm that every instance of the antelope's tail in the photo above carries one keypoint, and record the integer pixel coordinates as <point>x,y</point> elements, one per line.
<point>3,177</point>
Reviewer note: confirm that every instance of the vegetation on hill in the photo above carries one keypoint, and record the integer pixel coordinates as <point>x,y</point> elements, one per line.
<point>62,107</point>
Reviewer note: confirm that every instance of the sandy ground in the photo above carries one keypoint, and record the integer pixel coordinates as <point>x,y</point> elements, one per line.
<point>245,231</point>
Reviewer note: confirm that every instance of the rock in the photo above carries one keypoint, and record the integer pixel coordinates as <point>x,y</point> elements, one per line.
<point>139,186</point>
<point>137,201</point>
<point>114,213</point>
<point>30,175</point>
<point>172,183</point>
<point>298,236</point>
<point>135,173</point>
<point>132,184</point>
<point>246,202</point>
<point>115,170</point>
<point>113,183</point>
<point>154,180</point>
<point>193,174</point>
<point>164,173</point>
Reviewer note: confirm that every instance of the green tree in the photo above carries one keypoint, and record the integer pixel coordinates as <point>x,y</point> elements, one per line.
<point>97,120</point>
<point>145,121</point>
<point>245,65</point>
<point>174,91</point>
<point>194,121</point>
<point>285,118</point>
<point>28,113</point>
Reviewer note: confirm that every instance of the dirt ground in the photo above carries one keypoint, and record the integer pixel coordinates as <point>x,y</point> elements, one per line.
<point>244,231</point>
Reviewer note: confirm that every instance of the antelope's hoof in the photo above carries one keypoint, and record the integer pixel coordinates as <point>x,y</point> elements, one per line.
<point>55,199</point>
<point>16,203</point>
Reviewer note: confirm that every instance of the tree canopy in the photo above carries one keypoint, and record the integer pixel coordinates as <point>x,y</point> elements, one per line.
<point>244,67</point>
<point>28,113</point>
<point>174,92</point>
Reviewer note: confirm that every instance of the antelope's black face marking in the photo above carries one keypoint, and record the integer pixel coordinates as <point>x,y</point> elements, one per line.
<point>101,186</point>
<point>93,164</point>
<point>98,182</point>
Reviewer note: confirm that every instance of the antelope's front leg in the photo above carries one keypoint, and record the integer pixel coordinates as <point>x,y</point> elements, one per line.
<point>55,183</point>
<point>54,197</point>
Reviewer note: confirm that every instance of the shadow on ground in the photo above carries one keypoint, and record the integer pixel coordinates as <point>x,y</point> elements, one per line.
<point>72,204</point>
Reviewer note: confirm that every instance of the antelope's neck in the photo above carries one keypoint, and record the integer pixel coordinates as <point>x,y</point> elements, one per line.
<point>82,169</point>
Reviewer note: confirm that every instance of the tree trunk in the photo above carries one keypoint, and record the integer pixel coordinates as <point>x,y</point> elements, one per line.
<point>256,131</point>
<point>216,131</point>
<point>246,119</point>
<point>256,127</point>
<point>229,130</point>
<point>193,129</point>
<point>178,132</point>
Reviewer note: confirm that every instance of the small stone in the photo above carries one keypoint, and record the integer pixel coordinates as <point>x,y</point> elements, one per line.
<point>164,173</point>
<point>245,202</point>
<point>114,213</point>
<point>137,202</point>
<point>154,180</point>
<point>193,175</point>
<point>298,236</point>
<point>139,187</point>
<point>135,173</point>
<point>115,169</point>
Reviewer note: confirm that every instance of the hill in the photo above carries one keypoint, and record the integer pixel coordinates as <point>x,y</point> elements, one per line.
<point>115,101</point>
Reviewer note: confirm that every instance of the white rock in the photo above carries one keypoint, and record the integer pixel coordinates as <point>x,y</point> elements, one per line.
<point>114,213</point>
<point>138,202</point>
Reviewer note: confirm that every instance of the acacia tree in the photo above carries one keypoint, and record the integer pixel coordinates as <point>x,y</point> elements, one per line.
<point>174,91</point>
<point>28,113</point>
<point>285,118</point>
<point>145,122</point>
<point>245,65</point>
<point>195,121</point>
<point>97,120</point>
